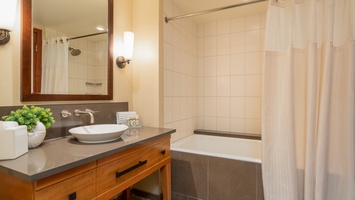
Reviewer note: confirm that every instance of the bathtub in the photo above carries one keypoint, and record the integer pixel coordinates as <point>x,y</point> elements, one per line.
<point>213,167</point>
<point>223,147</point>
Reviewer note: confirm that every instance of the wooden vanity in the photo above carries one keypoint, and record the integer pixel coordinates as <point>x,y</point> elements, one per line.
<point>100,179</point>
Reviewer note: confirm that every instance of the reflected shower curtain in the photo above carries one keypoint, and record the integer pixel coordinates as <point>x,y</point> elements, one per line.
<point>308,100</point>
<point>55,66</point>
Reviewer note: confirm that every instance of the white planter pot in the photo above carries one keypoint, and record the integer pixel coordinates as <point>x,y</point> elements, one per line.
<point>36,135</point>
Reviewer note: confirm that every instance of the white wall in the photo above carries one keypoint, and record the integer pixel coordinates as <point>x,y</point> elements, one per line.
<point>230,57</point>
<point>180,73</point>
<point>90,66</point>
<point>219,80</point>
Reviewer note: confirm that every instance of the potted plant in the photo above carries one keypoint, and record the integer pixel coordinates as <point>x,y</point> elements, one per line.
<point>37,119</point>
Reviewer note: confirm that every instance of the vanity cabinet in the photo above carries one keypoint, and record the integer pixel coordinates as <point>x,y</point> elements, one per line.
<point>119,171</point>
<point>101,179</point>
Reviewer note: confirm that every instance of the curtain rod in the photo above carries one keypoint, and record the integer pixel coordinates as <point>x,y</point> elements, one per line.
<point>73,38</point>
<point>209,11</point>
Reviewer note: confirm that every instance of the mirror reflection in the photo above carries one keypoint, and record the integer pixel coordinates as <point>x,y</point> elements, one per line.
<point>70,47</point>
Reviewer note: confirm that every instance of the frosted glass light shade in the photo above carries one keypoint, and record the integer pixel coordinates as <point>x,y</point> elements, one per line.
<point>128,42</point>
<point>7,14</point>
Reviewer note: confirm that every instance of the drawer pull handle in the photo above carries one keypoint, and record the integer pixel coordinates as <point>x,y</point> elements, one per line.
<point>163,152</point>
<point>140,163</point>
<point>72,196</point>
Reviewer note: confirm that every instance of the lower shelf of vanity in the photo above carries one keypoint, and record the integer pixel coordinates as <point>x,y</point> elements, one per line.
<point>101,179</point>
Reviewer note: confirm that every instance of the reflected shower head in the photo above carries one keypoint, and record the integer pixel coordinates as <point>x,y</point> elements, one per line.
<point>74,52</point>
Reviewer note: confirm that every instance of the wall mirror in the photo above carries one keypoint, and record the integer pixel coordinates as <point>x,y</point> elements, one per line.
<point>67,50</point>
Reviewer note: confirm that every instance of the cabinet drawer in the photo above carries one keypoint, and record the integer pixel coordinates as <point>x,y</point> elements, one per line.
<point>81,186</point>
<point>118,171</point>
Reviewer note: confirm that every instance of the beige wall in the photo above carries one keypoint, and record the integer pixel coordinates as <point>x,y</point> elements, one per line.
<point>6,84</point>
<point>147,95</point>
<point>147,73</point>
<point>138,83</point>
<point>9,66</point>
<point>122,78</point>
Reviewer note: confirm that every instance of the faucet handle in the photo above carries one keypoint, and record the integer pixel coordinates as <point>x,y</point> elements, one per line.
<point>65,113</point>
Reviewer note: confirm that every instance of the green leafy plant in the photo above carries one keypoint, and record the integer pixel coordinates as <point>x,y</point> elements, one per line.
<point>29,116</point>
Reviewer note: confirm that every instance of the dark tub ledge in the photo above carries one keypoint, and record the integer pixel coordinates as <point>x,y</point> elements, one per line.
<point>228,134</point>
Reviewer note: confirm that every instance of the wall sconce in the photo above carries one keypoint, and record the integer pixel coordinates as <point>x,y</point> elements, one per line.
<point>7,16</point>
<point>128,42</point>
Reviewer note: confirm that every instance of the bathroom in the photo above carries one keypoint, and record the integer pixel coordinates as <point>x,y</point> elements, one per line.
<point>202,72</point>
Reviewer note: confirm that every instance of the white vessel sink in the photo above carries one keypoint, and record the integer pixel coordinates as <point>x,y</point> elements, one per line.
<point>98,133</point>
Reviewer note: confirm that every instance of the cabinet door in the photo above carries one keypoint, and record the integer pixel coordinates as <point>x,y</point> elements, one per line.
<point>81,186</point>
<point>160,151</point>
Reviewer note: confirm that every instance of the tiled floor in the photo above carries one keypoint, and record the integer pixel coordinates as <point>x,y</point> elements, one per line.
<point>135,197</point>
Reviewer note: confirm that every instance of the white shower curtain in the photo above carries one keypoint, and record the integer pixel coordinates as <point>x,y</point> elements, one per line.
<point>308,100</point>
<point>55,66</point>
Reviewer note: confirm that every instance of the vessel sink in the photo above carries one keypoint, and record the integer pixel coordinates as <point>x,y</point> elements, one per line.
<point>98,133</point>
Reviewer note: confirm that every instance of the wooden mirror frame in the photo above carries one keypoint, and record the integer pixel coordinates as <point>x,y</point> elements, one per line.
<point>26,62</point>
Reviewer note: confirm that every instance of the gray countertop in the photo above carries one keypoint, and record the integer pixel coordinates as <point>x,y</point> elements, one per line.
<point>60,154</point>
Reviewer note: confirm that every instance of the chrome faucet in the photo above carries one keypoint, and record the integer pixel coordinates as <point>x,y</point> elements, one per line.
<point>77,113</point>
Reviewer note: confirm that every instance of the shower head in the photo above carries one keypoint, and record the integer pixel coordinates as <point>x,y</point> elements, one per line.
<point>74,52</point>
